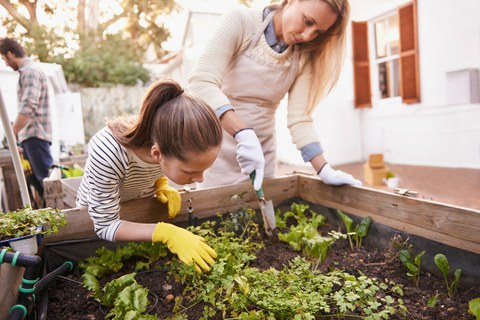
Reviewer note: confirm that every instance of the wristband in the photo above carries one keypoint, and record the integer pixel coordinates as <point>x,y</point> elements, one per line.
<point>241,131</point>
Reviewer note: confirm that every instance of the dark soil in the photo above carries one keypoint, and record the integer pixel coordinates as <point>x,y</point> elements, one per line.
<point>69,300</point>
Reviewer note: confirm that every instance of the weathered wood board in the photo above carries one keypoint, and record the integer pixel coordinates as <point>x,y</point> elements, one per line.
<point>455,226</point>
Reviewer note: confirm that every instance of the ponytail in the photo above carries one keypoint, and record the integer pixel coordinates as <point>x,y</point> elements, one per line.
<point>177,122</point>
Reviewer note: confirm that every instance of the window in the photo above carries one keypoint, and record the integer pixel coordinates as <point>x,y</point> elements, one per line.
<point>386,58</point>
<point>394,58</point>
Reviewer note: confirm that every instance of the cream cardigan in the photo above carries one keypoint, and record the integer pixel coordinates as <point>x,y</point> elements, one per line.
<point>230,38</point>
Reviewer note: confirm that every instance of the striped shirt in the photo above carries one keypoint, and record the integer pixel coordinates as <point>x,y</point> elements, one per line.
<point>33,101</point>
<point>113,174</point>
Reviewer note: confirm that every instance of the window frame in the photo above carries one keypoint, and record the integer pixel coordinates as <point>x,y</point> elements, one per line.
<point>408,59</point>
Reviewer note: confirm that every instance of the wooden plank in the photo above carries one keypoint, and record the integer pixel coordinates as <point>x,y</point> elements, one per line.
<point>455,226</point>
<point>10,278</point>
<point>70,187</point>
<point>53,193</point>
<point>206,203</point>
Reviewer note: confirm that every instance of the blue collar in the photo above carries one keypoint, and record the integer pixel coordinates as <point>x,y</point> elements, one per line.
<point>270,37</point>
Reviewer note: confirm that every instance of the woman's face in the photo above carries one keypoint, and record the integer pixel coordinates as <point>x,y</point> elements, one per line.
<point>302,21</point>
<point>191,170</point>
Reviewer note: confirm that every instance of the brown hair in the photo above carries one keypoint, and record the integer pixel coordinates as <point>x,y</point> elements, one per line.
<point>326,52</point>
<point>9,44</point>
<point>177,122</point>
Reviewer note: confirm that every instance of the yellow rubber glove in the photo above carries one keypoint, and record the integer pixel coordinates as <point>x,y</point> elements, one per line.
<point>169,195</point>
<point>187,246</point>
<point>25,163</point>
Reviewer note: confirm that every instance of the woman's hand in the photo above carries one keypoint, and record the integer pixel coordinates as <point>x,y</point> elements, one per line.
<point>250,155</point>
<point>189,247</point>
<point>337,177</point>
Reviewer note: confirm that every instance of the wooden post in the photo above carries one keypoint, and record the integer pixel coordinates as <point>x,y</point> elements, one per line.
<point>10,278</point>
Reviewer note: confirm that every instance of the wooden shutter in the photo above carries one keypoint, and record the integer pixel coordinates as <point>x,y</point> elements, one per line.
<point>361,65</point>
<point>408,62</point>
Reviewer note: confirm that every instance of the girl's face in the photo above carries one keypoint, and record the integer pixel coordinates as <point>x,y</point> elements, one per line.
<point>301,21</point>
<point>190,171</point>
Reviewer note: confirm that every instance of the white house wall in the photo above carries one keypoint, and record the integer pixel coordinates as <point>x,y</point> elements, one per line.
<point>434,132</point>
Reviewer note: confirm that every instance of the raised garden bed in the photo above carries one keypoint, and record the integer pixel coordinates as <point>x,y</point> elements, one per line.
<point>373,278</point>
<point>431,226</point>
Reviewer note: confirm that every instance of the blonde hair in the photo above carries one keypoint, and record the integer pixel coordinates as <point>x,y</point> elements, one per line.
<point>326,53</point>
<point>177,122</point>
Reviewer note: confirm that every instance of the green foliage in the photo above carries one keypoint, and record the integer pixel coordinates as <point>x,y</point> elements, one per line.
<point>50,28</point>
<point>108,261</point>
<point>234,289</point>
<point>474,308</point>
<point>442,263</point>
<point>304,235</point>
<point>124,296</point>
<point>27,222</point>
<point>105,61</point>
<point>72,172</point>
<point>432,301</point>
<point>412,264</point>
<point>356,233</point>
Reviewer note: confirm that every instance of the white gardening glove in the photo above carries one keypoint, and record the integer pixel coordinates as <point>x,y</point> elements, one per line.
<point>337,177</point>
<point>250,155</point>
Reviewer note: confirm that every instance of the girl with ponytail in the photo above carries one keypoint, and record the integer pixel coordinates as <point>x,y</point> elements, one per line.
<point>175,136</point>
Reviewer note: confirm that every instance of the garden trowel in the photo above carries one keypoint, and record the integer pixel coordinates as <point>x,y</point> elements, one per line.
<point>268,212</point>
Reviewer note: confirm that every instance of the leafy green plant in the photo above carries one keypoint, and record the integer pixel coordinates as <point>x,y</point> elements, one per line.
<point>125,297</point>
<point>390,174</point>
<point>235,289</point>
<point>29,222</point>
<point>474,308</point>
<point>412,264</point>
<point>103,61</point>
<point>356,233</point>
<point>442,263</point>
<point>433,300</point>
<point>304,235</point>
<point>108,261</point>
<point>72,172</point>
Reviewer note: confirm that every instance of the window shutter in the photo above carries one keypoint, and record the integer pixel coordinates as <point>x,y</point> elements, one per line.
<point>361,65</point>
<point>409,74</point>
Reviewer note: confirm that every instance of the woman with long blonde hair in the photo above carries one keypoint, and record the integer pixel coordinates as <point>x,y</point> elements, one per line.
<point>254,58</point>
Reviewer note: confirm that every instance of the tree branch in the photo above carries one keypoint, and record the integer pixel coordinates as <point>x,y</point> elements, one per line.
<point>14,13</point>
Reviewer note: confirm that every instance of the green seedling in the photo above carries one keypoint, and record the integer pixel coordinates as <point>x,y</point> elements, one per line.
<point>474,308</point>
<point>235,289</point>
<point>29,222</point>
<point>357,233</point>
<point>412,264</point>
<point>432,301</point>
<point>304,234</point>
<point>442,263</point>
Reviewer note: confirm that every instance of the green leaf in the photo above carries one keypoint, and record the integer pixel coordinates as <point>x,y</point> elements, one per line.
<point>405,256</point>
<point>474,307</point>
<point>442,263</point>
<point>432,301</point>
<point>363,227</point>
<point>346,220</point>
<point>418,258</point>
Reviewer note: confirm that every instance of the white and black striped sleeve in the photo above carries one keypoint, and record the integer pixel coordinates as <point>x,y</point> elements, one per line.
<point>100,187</point>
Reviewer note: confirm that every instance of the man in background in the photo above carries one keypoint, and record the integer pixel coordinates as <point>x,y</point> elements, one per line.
<point>33,125</point>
